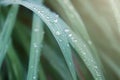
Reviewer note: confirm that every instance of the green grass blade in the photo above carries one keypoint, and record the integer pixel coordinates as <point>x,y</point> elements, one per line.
<point>15,64</point>
<point>51,19</point>
<point>71,16</point>
<point>35,50</point>
<point>116,12</point>
<point>25,43</point>
<point>85,53</point>
<point>6,32</point>
<point>56,62</point>
<point>23,32</point>
<point>1,19</point>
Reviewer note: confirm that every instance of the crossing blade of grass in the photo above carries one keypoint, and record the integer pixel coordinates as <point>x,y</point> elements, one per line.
<point>56,62</point>
<point>23,32</point>
<point>6,31</point>
<point>75,21</point>
<point>35,50</point>
<point>24,38</point>
<point>52,21</point>
<point>71,16</point>
<point>1,19</point>
<point>14,64</point>
<point>84,52</point>
<point>116,12</point>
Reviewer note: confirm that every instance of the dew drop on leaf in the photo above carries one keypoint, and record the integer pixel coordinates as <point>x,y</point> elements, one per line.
<point>66,30</point>
<point>36,30</point>
<point>58,33</point>
<point>70,35</point>
<point>34,77</point>
<point>55,21</point>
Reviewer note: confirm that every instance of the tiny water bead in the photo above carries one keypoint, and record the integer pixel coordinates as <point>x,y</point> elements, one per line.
<point>55,18</point>
<point>70,63</point>
<point>34,8</point>
<point>70,35</point>
<point>36,29</point>
<point>58,33</point>
<point>75,40</point>
<point>48,17</point>
<point>68,45</point>
<point>34,77</point>
<point>84,53</point>
<point>55,21</point>
<point>39,11</point>
<point>66,30</point>
<point>35,45</point>
<point>60,40</point>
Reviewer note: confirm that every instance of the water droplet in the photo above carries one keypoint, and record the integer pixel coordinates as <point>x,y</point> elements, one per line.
<point>58,33</point>
<point>38,11</point>
<point>35,45</point>
<point>60,40</point>
<point>84,53</point>
<point>35,8</point>
<point>70,35</point>
<point>75,40</point>
<point>42,11</point>
<point>48,17</point>
<point>55,20</point>
<point>34,77</point>
<point>70,63</point>
<point>95,67</point>
<point>67,45</point>
<point>36,30</point>
<point>66,30</point>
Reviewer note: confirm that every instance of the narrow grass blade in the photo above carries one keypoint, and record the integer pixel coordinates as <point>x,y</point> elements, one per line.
<point>23,32</point>
<point>85,53</point>
<point>52,20</point>
<point>57,62</point>
<point>71,16</point>
<point>14,64</point>
<point>25,43</point>
<point>1,20</point>
<point>116,12</point>
<point>6,32</point>
<point>35,50</point>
